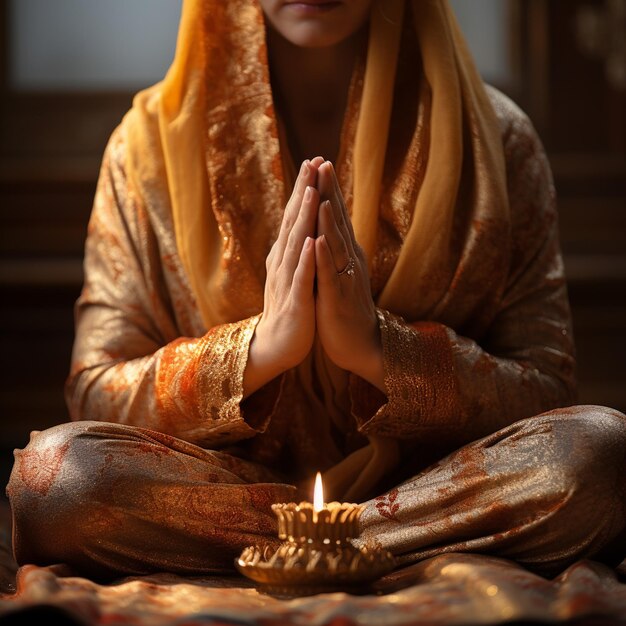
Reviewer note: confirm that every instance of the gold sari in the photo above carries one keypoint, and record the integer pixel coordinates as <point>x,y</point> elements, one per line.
<point>456,213</point>
<point>208,168</point>
<point>224,174</point>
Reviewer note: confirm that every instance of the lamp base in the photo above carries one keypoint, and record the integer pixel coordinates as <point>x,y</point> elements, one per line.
<point>301,569</point>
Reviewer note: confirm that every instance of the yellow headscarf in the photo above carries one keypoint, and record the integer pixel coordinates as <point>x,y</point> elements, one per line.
<point>209,134</point>
<point>219,144</point>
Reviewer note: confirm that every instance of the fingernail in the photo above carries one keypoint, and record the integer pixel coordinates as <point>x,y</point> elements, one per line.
<point>307,193</point>
<point>305,167</point>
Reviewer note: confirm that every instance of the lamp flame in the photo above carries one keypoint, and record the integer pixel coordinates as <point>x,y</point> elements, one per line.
<point>318,494</point>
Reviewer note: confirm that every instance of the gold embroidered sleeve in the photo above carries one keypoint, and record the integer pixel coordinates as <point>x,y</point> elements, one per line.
<point>420,382</point>
<point>131,363</point>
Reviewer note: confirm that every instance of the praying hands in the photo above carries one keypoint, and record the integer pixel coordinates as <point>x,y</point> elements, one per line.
<point>317,283</point>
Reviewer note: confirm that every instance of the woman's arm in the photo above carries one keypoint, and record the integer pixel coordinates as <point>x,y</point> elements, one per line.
<point>130,363</point>
<point>436,382</point>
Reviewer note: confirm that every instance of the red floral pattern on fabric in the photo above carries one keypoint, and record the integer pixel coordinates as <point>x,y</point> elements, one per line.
<point>38,469</point>
<point>387,506</point>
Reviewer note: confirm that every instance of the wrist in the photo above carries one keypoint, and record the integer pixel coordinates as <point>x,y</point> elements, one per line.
<point>260,368</point>
<point>370,367</point>
<point>368,363</point>
<point>265,353</point>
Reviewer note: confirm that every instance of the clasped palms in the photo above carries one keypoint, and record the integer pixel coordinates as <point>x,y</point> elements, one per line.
<point>304,293</point>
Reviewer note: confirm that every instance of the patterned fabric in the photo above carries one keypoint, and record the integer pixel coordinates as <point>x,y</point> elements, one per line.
<point>113,499</point>
<point>448,590</point>
<point>165,468</point>
<point>142,353</point>
<point>422,161</point>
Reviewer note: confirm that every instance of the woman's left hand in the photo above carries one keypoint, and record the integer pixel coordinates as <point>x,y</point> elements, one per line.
<point>347,323</point>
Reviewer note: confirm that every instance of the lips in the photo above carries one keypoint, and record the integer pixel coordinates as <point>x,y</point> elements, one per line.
<point>312,6</point>
<point>312,2</point>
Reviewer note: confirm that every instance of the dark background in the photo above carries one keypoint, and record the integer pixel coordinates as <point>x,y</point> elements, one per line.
<point>51,145</point>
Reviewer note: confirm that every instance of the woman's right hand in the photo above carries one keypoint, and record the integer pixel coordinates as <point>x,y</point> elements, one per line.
<point>284,334</point>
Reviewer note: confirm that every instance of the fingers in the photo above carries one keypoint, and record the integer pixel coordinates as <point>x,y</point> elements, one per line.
<point>327,225</point>
<point>329,190</point>
<point>327,279</point>
<point>317,161</point>
<point>304,275</point>
<point>306,177</point>
<point>303,227</point>
<point>341,204</point>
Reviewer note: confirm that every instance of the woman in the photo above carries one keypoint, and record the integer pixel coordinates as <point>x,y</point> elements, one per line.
<point>393,313</point>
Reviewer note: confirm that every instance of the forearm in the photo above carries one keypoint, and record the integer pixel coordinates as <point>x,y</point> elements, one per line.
<point>191,388</point>
<point>264,362</point>
<point>369,364</point>
<point>517,359</point>
<point>438,381</point>
<point>498,390</point>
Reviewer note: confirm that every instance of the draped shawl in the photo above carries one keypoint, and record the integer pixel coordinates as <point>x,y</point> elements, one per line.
<point>422,157</point>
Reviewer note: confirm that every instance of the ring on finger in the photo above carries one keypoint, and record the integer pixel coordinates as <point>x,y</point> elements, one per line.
<point>349,268</point>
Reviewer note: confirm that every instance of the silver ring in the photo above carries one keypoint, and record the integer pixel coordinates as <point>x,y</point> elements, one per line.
<point>349,268</point>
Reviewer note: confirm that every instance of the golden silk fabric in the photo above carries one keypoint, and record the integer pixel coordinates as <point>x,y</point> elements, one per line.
<point>213,136</point>
<point>143,356</point>
<point>497,346</point>
<point>111,500</point>
<point>472,307</point>
<point>213,139</point>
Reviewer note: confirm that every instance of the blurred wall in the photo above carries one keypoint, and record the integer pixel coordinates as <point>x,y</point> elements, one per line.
<point>119,44</point>
<point>90,44</point>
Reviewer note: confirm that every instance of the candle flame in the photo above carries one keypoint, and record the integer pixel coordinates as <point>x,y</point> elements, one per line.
<point>318,494</point>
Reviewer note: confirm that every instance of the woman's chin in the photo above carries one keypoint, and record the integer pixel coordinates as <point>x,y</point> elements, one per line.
<point>311,9</point>
<point>317,23</point>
